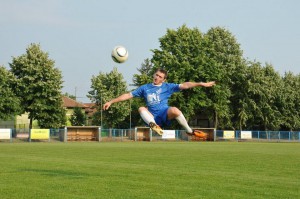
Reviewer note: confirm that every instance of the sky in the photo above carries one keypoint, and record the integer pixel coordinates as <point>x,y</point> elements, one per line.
<point>79,35</point>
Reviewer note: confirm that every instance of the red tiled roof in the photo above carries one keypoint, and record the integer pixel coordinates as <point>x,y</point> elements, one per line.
<point>70,103</point>
<point>90,105</point>
<point>90,108</point>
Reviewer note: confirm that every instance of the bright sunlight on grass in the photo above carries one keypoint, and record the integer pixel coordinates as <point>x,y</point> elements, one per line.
<point>149,170</point>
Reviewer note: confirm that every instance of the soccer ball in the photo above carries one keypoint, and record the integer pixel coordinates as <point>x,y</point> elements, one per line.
<point>119,54</point>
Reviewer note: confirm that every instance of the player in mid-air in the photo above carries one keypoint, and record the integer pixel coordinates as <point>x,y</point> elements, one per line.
<point>156,94</point>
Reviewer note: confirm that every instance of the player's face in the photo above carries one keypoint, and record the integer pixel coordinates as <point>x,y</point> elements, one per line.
<point>158,78</point>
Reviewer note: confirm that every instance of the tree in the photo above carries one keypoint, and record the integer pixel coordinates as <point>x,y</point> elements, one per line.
<point>240,103</point>
<point>78,118</point>
<point>190,55</point>
<point>105,87</point>
<point>9,102</point>
<point>222,63</point>
<point>70,96</point>
<point>290,105</point>
<point>39,87</point>
<point>263,97</point>
<point>145,75</point>
<point>182,56</point>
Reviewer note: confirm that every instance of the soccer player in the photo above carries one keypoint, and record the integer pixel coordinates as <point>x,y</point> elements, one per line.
<point>156,94</point>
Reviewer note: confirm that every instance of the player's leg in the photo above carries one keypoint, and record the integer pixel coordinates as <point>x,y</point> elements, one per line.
<point>146,115</point>
<point>174,112</point>
<point>149,119</point>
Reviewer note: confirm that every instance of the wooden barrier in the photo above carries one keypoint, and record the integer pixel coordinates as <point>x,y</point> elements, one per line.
<point>81,133</point>
<point>211,135</point>
<point>143,134</point>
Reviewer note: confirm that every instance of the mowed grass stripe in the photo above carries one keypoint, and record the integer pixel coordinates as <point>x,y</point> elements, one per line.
<point>149,170</point>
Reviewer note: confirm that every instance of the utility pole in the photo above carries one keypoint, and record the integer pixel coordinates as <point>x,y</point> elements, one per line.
<point>75,93</point>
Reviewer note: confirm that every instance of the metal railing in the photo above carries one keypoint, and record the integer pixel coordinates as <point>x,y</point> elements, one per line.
<point>122,135</point>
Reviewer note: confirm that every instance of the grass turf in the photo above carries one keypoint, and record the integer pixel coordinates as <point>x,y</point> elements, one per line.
<point>149,170</point>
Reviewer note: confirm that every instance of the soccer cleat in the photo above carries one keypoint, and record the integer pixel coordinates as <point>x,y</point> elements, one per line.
<point>156,128</point>
<point>198,133</point>
<point>190,134</point>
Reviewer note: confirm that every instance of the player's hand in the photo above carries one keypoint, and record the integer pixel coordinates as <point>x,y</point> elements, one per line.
<point>106,105</point>
<point>209,84</point>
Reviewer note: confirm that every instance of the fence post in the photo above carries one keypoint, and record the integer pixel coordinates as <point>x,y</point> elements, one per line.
<point>99,133</point>
<point>11,135</point>
<point>122,135</point>
<point>65,134</point>
<point>29,135</point>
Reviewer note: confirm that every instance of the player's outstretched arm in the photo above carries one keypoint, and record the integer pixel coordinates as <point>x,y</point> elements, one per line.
<point>187,85</point>
<point>123,97</point>
<point>208,84</point>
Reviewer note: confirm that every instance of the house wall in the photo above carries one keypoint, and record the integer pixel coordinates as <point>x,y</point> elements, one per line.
<point>69,113</point>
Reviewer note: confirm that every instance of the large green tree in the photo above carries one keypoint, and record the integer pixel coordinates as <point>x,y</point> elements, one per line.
<point>239,100</point>
<point>181,55</point>
<point>189,55</point>
<point>39,87</point>
<point>290,106</point>
<point>9,102</point>
<point>264,93</point>
<point>222,61</point>
<point>104,87</point>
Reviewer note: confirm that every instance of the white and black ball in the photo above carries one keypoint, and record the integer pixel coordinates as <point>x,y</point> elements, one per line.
<point>119,54</point>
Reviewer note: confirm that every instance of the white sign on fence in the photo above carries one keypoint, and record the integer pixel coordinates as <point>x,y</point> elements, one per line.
<point>246,134</point>
<point>5,134</point>
<point>168,134</point>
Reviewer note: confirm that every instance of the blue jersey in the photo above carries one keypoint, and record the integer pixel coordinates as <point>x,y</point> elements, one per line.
<point>156,97</point>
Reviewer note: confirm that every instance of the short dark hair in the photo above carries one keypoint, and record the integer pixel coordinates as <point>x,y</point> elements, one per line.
<point>163,71</point>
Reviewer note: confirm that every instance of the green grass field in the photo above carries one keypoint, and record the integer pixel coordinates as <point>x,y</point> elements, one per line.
<point>149,170</point>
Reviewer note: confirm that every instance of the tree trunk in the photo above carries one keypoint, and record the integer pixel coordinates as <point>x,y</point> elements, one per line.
<point>30,123</point>
<point>216,119</point>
